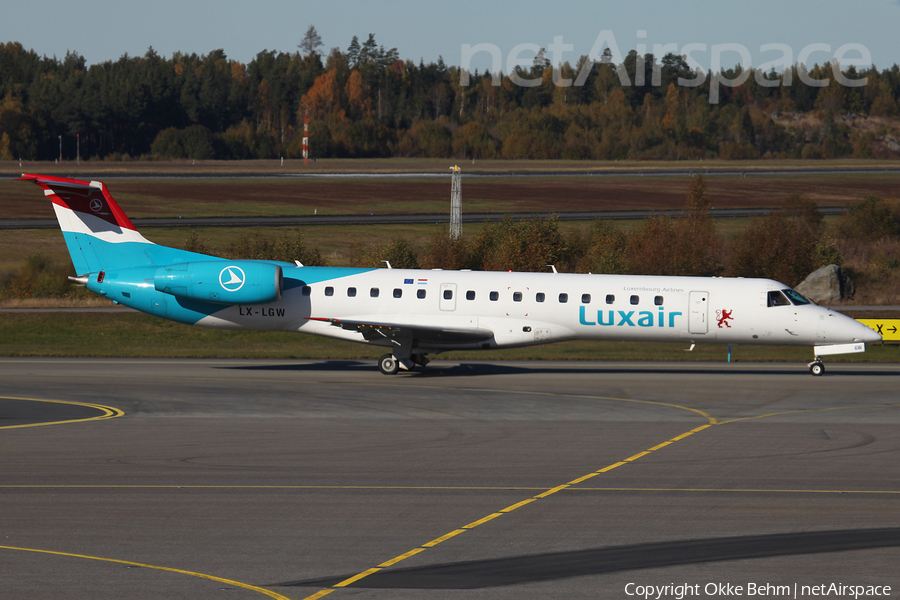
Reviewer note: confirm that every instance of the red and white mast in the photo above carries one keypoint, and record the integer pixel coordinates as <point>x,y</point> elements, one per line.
<point>306,137</point>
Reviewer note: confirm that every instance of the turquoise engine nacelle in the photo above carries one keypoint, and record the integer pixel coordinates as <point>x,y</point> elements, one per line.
<point>223,282</point>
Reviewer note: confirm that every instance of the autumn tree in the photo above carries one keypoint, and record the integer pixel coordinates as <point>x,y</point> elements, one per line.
<point>699,244</point>
<point>359,101</point>
<point>688,245</point>
<point>777,247</point>
<point>872,219</point>
<point>398,252</point>
<point>510,245</point>
<point>284,246</point>
<point>606,250</point>
<point>446,252</point>
<point>324,97</point>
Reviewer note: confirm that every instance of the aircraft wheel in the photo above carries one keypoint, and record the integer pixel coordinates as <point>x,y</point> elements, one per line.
<point>817,368</point>
<point>387,365</point>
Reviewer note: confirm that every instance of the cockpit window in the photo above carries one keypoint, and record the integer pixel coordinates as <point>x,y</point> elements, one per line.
<point>795,297</point>
<point>777,299</point>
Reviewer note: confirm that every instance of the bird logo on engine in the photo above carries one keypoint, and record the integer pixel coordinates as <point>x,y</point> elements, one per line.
<point>232,278</point>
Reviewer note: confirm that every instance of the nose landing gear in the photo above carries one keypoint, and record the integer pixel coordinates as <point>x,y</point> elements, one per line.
<point>817,367</point>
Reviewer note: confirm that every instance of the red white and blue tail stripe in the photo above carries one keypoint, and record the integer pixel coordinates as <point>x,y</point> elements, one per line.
<point>92,223</point>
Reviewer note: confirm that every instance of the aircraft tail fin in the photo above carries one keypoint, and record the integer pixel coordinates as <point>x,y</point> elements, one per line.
<point>98,234</point>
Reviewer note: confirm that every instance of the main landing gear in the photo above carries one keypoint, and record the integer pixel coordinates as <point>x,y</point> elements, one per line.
<point>817,367</point>
<point>389,365</point>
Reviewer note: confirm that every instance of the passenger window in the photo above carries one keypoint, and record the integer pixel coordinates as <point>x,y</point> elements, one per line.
<point>470,295</point>
<point>777,299</point>
<point>635,300</point>
<point>420,294</point>
<point>306,290</point>
<point>398,293</point>
<point>448,294</point>
<point>539,297</point>
<point>373,292</point>
<point>517,296</point>
<point>329,291</point>
<point>585,298</point>
<point>658,301</point>
<point>563,298</point>
<point>610,299</point>
<point>495,296</point>
<point>351,292</point>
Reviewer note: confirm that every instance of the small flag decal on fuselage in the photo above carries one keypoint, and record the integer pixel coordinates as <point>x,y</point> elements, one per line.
<point>405,281</point>
<point>423,281</point>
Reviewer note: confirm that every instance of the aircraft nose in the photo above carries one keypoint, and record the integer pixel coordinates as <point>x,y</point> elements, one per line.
<point>864,333</point>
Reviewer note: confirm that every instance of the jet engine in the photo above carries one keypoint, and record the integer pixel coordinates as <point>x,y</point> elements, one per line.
<point>223,282</point>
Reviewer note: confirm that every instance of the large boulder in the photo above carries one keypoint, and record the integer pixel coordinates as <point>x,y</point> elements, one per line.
<point>827,285</point>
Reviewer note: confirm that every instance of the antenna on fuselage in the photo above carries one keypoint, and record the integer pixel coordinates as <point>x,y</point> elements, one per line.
<point>388,263</point>
<point>553,268</point>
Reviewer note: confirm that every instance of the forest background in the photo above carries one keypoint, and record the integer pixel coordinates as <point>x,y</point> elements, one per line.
<point>366,101</point>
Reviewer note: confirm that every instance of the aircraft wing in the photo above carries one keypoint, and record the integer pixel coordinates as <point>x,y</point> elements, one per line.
<point>372,330</point>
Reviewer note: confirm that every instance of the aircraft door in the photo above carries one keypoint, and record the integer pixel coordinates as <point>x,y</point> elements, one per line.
<point>448,296</point>
<point>698,319</point>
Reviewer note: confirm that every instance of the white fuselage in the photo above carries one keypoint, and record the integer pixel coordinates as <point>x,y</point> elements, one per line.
<point>523,309</point>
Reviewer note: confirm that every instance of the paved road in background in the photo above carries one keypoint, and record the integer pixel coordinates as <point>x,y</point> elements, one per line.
<point>404,219</point>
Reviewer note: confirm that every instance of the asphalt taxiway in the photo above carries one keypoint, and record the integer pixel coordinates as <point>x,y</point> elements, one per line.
<point>301,479</point>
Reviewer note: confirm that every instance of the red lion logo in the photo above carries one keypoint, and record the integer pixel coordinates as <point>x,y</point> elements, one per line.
<point>723,316</point>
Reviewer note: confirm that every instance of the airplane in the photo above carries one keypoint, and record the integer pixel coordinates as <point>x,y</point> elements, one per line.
<point>413,313</point>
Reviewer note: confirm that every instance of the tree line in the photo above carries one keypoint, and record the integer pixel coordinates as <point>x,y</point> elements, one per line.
<point>366,101</point>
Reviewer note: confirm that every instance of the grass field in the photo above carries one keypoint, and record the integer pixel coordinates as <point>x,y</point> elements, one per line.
<point>138,335</point>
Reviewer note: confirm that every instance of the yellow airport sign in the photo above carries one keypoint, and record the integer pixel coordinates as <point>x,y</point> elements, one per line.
<point>888,328</point>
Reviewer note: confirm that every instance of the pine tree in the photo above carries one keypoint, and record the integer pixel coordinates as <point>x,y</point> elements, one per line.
<point>311,42</point>
<point>353,52</point>
<point>369,50</point>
